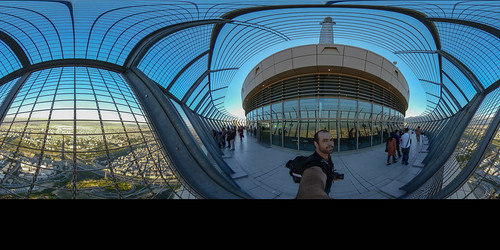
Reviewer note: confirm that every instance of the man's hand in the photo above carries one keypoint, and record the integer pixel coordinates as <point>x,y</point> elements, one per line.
<point>312,184</point>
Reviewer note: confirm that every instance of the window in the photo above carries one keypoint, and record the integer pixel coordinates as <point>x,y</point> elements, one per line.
<point>79,132</point>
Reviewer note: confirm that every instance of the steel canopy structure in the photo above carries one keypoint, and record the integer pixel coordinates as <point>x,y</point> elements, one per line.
<point>116,99</point>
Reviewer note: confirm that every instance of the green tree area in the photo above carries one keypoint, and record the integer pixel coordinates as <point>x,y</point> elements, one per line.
<point>107,184</point>
<point>465,157</point>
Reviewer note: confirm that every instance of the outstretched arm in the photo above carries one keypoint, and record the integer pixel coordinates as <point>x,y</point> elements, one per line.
<point>312,184</point>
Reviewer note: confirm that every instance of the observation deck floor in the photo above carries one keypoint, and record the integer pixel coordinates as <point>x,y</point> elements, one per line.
<point>260,170</point>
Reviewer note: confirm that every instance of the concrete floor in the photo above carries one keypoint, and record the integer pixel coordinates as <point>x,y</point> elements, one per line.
<point>260,170</point>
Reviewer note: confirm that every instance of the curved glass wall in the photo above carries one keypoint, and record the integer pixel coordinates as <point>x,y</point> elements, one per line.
<point>77,132</point>
<point>355,131</point>
<point>355,122</point>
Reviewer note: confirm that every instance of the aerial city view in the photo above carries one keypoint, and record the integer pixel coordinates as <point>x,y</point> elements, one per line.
<point>116,156</point>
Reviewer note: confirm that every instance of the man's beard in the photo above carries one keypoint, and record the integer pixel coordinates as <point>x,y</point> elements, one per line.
<point>327,150</point>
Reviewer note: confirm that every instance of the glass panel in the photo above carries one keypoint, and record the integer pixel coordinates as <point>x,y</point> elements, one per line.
<point>348,108</point>
<point>307,130</point>
<point>377,112</point>
<point>471,137</point>
<point>308,108</point>
<point>290,131</point>
<point>386,129</point>
<point>377,133</point>
<point>277,133</point>
<point>328,107</point>
<point>290,109</point>
<point>386,113</point>
<point>347,135</point>
<point>276,111</point>
<point>365,134</point>
<point>266,112</point>
<point>258,114</point>
<point>365,110</point>
<point>264,133</point>
<point>394,115</point>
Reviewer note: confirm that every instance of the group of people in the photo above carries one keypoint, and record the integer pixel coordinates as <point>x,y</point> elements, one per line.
<point>398,141</point>
<point>223,136</point>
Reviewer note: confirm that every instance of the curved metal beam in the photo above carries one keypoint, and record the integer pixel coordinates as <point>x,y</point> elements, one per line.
<point>142,47</point>
<point>464,69</point>
<point>186,67</point>
<point>457,63</point>
<point>16,48</point>
<point>331,4</point>
<point>480,26</point>
<point>61,63</point>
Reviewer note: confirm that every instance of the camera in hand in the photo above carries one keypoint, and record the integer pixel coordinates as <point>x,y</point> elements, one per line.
<point>337,176</point>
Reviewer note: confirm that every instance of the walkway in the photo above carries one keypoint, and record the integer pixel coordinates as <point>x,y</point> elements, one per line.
<point>260,170</point>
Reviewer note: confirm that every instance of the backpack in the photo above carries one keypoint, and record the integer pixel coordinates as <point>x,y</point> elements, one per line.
<point>297,166</point>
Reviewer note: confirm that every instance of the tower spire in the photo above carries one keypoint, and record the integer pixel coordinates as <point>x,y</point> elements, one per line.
<point>326,35</point>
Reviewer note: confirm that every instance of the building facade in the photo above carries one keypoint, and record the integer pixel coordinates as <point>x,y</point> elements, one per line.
<point>359,96</point>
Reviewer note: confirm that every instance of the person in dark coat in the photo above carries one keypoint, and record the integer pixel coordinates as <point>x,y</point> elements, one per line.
<point>398,141</point>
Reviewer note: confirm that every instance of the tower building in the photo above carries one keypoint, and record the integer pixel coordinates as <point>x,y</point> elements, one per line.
<point>326,35</point>
<point>356,94</point>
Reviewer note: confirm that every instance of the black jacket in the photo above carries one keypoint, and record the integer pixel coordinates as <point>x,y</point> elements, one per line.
<point>326,166</point>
